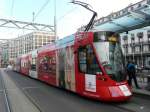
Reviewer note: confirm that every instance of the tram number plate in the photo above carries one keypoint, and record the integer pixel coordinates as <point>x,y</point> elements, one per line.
<point>125,90</point>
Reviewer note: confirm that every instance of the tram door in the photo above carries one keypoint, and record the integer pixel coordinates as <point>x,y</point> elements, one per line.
<point>87,69</point>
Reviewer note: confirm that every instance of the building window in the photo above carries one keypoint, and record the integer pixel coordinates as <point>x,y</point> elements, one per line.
<point>140,36</point>
<point>139,5</point>
<point>133,49</point>
<point>132,38</point>
<point>137,49</point>
<point>132,43</point>
<point>126,49</point>
<point>145,48</point>
<point>125,39</point>
<point>148,35</point>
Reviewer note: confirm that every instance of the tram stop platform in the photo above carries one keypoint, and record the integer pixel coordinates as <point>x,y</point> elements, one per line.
<point>144,84</point>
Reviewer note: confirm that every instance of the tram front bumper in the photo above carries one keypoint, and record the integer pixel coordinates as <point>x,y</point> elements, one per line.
<point>121,92</point>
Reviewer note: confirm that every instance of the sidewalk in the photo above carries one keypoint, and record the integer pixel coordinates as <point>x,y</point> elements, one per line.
<point>18,101</point>
<point>143,84</point>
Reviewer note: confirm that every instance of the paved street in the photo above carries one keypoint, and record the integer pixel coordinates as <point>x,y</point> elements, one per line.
<point>3,107</point>
<point>17,101</point>
<point>41,96</point>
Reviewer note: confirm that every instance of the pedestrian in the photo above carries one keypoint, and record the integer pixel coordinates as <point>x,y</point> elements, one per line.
<point>132,74</point>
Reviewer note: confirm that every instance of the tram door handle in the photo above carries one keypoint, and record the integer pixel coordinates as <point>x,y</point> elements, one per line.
<point>100,77</point>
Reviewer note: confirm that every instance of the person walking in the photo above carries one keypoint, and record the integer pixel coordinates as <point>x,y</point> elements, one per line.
<point>132,74</point>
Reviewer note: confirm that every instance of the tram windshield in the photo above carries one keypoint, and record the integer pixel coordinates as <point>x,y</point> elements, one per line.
<point>110,54</point>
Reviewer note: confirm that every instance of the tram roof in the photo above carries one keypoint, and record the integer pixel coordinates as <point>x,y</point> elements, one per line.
<point>132,17</point>
<point>59,43</point>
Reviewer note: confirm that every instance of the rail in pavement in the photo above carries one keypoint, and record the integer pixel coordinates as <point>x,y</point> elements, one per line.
<point>19,102</point>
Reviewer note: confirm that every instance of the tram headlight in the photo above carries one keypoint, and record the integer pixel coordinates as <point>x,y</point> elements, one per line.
<point>121,90</point>
<point>125,90</point>
<point>114,91</point>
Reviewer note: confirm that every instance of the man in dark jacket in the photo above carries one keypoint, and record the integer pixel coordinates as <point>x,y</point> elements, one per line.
<point>131,73</point>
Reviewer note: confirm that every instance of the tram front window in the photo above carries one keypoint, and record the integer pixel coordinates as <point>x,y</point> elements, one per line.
<point>110,55</point>
<point>87,60</point>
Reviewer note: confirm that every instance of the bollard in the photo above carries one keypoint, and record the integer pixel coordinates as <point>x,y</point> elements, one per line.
<point>148,83</point>
<point>148,78</point>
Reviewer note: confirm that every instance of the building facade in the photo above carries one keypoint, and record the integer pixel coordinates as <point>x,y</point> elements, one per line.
<point>24,44</point>
<point>136,46</point>
<point>4,54</point>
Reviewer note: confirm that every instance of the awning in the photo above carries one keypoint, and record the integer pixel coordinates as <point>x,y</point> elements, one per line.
<point>132,17</point>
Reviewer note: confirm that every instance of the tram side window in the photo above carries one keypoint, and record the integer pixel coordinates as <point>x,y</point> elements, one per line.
<point>82,59</point>
<point>87,60</point>
<point>33,64</point>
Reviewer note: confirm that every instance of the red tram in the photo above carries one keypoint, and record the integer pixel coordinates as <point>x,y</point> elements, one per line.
<point>24,64</point>
<point>90,64</point>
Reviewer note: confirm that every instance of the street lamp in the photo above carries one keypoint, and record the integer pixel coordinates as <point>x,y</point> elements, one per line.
<point>132,46</point>
<point>140,36</point>
<point>125,47</point>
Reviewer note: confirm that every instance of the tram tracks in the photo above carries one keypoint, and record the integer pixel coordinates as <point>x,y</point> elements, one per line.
<point>5,92</point>
<point>27,88</point>
<point>30,98</point>
<point>136,104</point>
<point>123,108</point>
<point>8,94</point>
<point>37,105</point>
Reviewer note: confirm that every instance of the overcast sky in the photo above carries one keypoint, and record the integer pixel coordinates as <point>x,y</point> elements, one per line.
<point>69,16</point>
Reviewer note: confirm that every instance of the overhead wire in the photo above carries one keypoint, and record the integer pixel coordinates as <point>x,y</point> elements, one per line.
<point>42,8</point>
<point>12,6</point>
<point>70,11</point>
